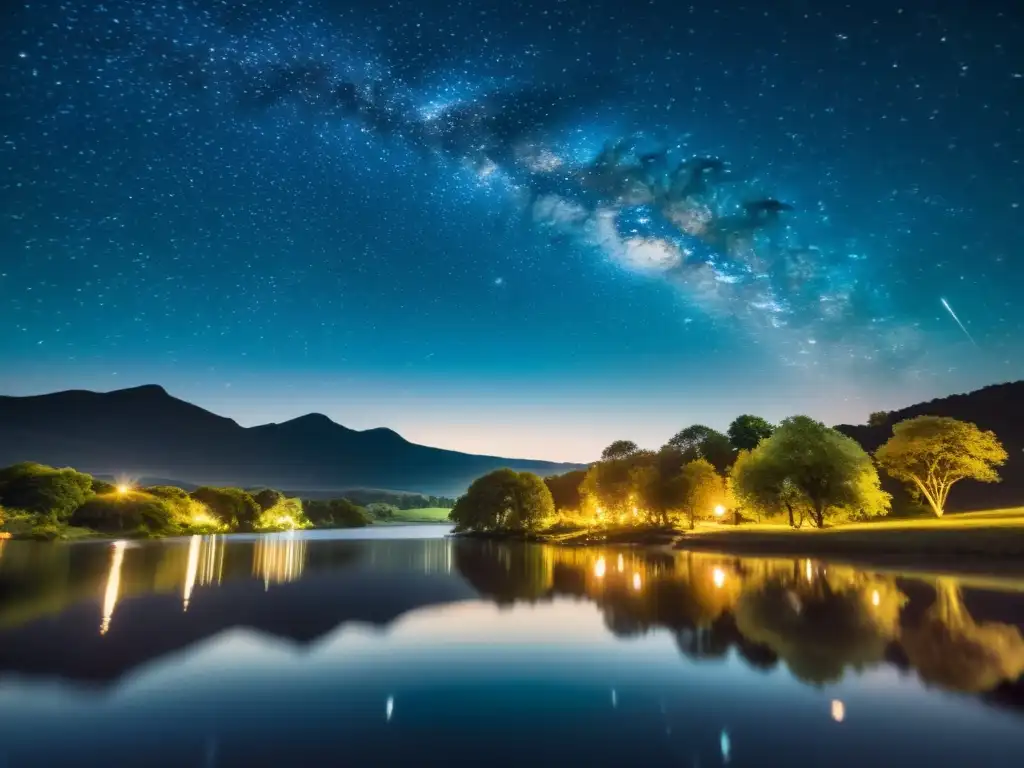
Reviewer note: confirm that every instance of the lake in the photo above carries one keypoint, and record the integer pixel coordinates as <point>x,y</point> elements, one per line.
<point>398,646</point>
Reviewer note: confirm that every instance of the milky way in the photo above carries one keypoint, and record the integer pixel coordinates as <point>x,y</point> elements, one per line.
<point>329,185</point>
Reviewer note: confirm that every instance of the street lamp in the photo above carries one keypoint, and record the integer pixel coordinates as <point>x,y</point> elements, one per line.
<point>719,510</point>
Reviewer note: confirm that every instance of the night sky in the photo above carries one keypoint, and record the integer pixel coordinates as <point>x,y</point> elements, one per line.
<point>522,228</point>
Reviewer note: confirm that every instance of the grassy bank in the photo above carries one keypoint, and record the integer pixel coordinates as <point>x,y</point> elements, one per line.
<point>421,515</point>
<point>977,540</point>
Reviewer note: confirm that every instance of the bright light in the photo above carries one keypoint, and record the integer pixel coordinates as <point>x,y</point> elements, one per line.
<point>389,708</point>
<point>113,585</point>
<point>719,510</point>
<point>636,582</point>
<point>807,570</point>
<point>123,489</point>
<point>718,575</point>
<point>838,710</point>
<point>876,599</point>
<point>622,564</point>
<point>600,567</point>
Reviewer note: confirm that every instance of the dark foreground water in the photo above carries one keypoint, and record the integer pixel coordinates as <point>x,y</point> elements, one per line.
<point>291,650</point>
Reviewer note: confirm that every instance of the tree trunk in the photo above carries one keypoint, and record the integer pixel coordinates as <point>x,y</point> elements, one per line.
<point>789,508</point>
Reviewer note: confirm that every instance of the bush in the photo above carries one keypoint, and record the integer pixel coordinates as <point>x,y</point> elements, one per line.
<point>231,506</point>
<point>381,511</point>
<point>286,515</point>
<point>44,490</point>
<point>337,513</point>
<point>102,486</point>
<point>169,492</point>
<point>128,513</point>
<point>267,498</point>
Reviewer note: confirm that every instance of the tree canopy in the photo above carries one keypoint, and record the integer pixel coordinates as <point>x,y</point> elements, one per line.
<point>232,506</point>
<point>565,489</point>
<point>702,489</point>
<point>932,453</point>
<point>701,442</point>
<point>806,464</point>
<point>44,490</point>
<point>747,431</point>
<point>619,449</point>
<point>503,500</point>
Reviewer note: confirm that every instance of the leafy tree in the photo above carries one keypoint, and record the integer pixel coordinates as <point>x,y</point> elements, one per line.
<point>267,498</point>
<point>336,513</point>
<point>932,453</point>
<point>747,431</point>
<point>232,506</point>
<point>503,500</point>
<point>44,490</point>
<point>611,486</point>
<point>702,490</point>
<point>565,489</point>
<point>620,449</point>
<point>759,483</point>
<point>701,442</point>
<point>102,486</point>
<point>165,492</point>
<point>805,462</point>
<point>285,515</point>
<point>132,512</point>
<point>381,511</point>
<point>878,419</point>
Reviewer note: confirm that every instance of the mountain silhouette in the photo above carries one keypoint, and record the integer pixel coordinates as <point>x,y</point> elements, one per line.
<point>999,408</point>
<point>146,432</point>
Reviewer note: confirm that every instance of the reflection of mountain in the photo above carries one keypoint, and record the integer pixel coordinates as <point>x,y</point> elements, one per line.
<point>136,604</point>
<point>820,622</point>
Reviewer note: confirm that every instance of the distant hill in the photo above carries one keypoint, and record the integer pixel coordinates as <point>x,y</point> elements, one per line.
<point>145,432</point>
<point>999,408</point>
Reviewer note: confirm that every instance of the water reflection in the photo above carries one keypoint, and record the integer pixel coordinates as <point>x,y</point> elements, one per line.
<point>205,564</point>
<point>279,558</point>
<point>113,585</point>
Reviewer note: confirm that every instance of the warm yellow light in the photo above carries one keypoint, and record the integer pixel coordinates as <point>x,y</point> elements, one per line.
<point>637,583</point>
<point>622,564</point>
<point>113,585</point>
<point>600,567</point>
<point>876,599</point>
<point>719,510</point>
<point>122,489</point>
<point>838,710</point>
<point>807,570</point>
<point>718,576</point>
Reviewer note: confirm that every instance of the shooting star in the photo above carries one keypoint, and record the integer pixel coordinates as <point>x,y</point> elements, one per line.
<point>953,315</point>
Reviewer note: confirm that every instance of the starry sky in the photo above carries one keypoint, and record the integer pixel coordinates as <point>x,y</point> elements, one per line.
<point>521,228</point>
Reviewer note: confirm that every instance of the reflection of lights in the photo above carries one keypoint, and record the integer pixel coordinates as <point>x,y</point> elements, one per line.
<point>726,745</point>
<point>807,570</point>
<point>718,575</point>
<point>876,599</point>
<point>278,559</point>
<point>719,510</point>
<point>205,563</point>
<point>599,568</point>
<point>636,513</point>
<point>838,710</point>
<point>622,564</point>
<point>615,698</point>
<point>389,708</point>
<point>636,582</point>
<point>113,585</point>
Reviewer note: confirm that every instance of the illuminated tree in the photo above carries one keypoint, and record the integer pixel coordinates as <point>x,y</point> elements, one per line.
<point>758,482</point>
<point>232,506</point>
<point>44,490</point>
<point>615,486</point>
<point>620,449</point>
<point>747,431</point>
<point>565,489</point>
<point>805,462</point>
<point>267,498</point>
<point>931,453</point>
<point>702,490</point>
<point>948,649</point>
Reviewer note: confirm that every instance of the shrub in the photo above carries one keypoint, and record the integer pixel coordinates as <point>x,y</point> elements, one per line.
<point>131,512</point>
<point>44,490</point>
<point>337,513</point>
<point>169,492</point>
<point>267,498</point>
<point>286,515</point>
<point>232,506</point>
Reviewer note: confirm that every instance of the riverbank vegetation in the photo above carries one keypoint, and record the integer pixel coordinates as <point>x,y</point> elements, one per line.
<point>42,502</point>
<point>797,476</point>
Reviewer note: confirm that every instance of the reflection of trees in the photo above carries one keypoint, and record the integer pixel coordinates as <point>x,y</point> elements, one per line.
<point>822,626</point>
<point>948,648</point>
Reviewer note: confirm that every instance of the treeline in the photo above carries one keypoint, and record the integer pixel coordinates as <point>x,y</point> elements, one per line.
<point>797,471</point>
<point>398,499</point>
<point>43,502</point>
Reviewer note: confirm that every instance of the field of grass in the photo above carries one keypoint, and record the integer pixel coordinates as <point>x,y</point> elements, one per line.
<point>422,515</point>
<point>978,537</point>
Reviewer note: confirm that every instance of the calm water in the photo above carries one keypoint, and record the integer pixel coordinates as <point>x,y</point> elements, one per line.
<point>397,646</point>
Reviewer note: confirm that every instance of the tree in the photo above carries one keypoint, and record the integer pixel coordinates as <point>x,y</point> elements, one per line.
<point>44,490</point>
<point>805,462</point>
<point>610,488</point>
<point>267,498</point>
<point>878,419</point>
<point>932,453</point>
<point>747,431</point>
<point>336,513</point>
<point>759,483</point>
<point>285,515</point>
<point>565,489</point>
<point>701,442</point>
<point>232,506</point>
<point>381,511</point>
<point>702,490</point>
<point>136,511</point>
<point>503,500</point>
<point>620,449</point>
